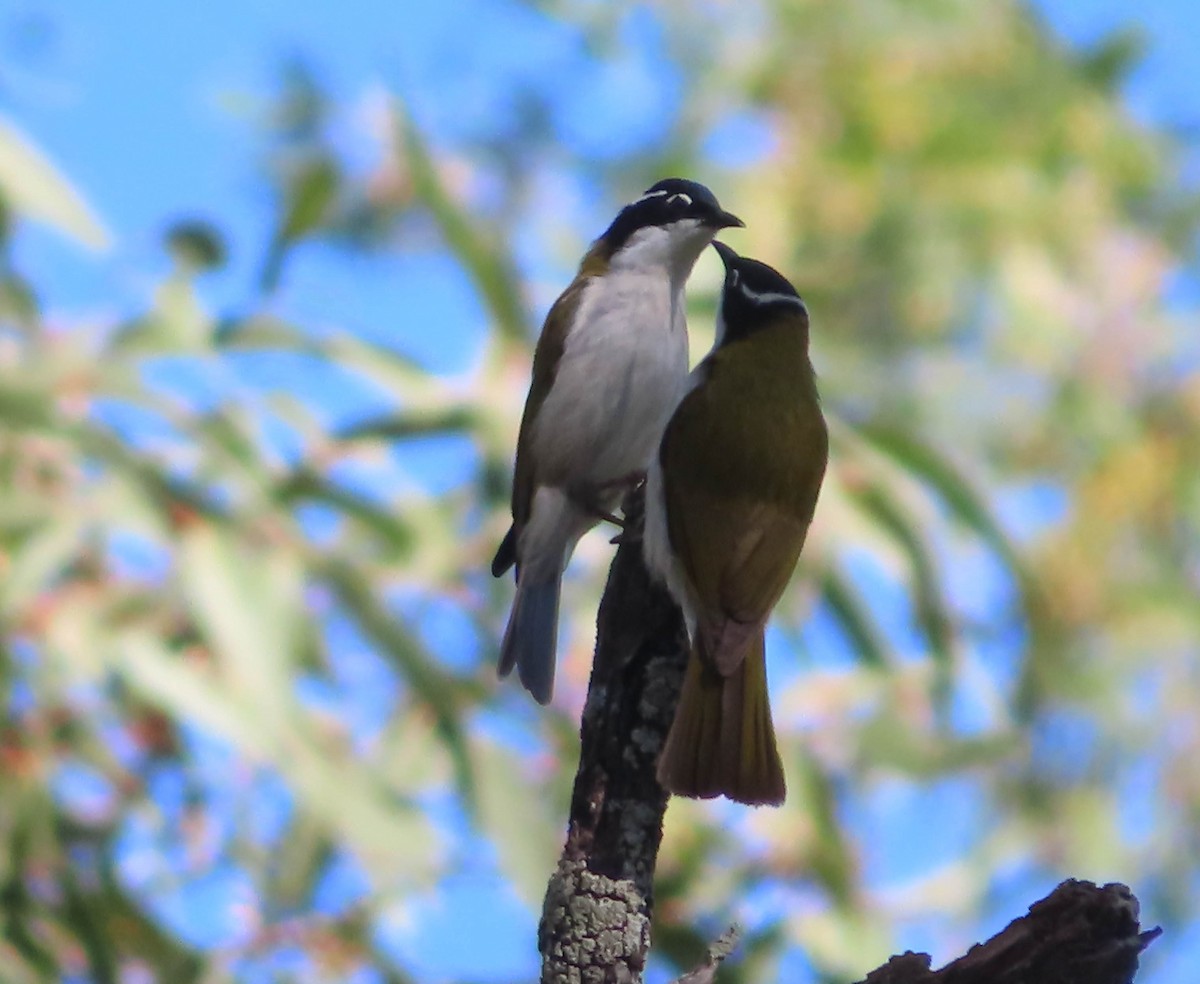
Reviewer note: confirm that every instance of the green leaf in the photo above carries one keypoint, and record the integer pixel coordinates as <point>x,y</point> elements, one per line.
<point>167,493</point>
<point>889,740</point>
<point>259,332</point>
<point>184,322</point>
<point>248,604</point>
<point>37,560</point>
<point>443,694</point>
<point>25,404</point>
<point>481,251</point>
<point>309,195</point>
<point>394,373</point>
<point>304,484</point>
<point>229,431</point>
<point>952,488</point>
<point>18,302</point>
<point>526,834</point>
<point>33,187</point>
<point>392,837</point>
<point>166,679</point>
<point>925,580</point>
<point>196,245</point>
<point>418,423</point>
<point>849,608</point>
<point>832,862</point>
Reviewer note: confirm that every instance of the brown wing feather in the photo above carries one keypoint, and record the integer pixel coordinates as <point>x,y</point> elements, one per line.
<point>546,356</point>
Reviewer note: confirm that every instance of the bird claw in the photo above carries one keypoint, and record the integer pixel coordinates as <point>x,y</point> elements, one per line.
<point>629,481</point>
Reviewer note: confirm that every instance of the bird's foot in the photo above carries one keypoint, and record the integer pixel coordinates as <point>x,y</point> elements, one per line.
<point>607,517</point>
<point>627,535</point>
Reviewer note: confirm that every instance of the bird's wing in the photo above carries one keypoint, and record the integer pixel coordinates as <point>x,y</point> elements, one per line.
<point>546,356</point>
<point>763,549</point>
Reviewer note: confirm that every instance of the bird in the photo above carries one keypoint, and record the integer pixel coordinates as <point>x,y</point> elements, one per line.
<point>729,499</point>
<point>609,366</point>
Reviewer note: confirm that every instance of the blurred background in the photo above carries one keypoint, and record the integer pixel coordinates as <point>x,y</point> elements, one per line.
<point>269,281</point>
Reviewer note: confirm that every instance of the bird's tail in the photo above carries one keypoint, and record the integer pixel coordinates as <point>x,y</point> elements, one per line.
<point>722,742</point>
<point>531,639</point>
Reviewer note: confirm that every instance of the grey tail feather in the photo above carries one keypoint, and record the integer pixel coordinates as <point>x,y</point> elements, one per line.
<point>506,553</point>
<point>531,638</point>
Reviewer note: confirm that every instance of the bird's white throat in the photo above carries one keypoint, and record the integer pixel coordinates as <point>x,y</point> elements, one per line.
<point>674,247</point>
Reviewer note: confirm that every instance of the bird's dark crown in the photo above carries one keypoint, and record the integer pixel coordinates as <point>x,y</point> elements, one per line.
<point>664,203</point>
<point>755,293</point>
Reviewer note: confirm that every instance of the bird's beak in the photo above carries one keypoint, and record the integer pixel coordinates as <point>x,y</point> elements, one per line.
<point>727,220</point>
<point>727,255</point>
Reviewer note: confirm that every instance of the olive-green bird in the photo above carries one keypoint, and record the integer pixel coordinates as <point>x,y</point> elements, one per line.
<point>728,504</point>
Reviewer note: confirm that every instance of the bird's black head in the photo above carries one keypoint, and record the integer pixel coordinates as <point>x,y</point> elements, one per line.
<point>672,202</point>
<point>754,295</point>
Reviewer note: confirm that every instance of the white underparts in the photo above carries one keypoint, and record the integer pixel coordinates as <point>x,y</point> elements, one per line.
<point>670,251</point>
<point>656,542</point>
<point>623,367</point>
<point>622,372</point>
<point>555,525</point>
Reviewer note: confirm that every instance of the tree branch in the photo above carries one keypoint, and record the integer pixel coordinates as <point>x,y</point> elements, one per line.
<point>1078,934</point>
<point>596,918</point>
<point>595,926</point>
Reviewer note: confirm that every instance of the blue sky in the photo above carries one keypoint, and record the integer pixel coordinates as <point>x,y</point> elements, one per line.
<point>149,107</point>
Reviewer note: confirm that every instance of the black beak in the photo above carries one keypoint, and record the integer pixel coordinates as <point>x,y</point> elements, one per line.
<point>727,220</point>
<point>727,255</point>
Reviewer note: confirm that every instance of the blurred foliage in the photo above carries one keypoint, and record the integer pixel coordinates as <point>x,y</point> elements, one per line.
<point>1007,547</point>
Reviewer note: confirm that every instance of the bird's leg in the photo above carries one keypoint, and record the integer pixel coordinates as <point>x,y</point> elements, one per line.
<point>628,481</point>
<point>606,516</point>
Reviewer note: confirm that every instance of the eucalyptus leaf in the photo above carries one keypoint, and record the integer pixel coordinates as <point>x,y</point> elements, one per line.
<point>477,248</point>
<point>429,682</point>
<point>527,834</point>
<point>32,186</point>
<point>249,605</point>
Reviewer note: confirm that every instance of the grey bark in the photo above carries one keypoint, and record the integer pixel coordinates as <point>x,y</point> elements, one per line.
<point>595,924</point>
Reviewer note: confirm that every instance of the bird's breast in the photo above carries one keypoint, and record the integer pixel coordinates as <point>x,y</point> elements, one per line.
<point>622,371</point>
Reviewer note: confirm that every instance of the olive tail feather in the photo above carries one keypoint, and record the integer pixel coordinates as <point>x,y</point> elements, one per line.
<point>722,741</point>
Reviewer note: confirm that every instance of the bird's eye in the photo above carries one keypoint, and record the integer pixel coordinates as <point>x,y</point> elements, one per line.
<point>687,199</point>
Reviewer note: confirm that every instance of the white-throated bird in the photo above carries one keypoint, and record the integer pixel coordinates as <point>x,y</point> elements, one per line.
<point>610,365</point>
<point>729,500</point>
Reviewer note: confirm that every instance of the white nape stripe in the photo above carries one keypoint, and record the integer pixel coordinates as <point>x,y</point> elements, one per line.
<point>770,297</point>
<point>687,199</point>
<point>651,194</point>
